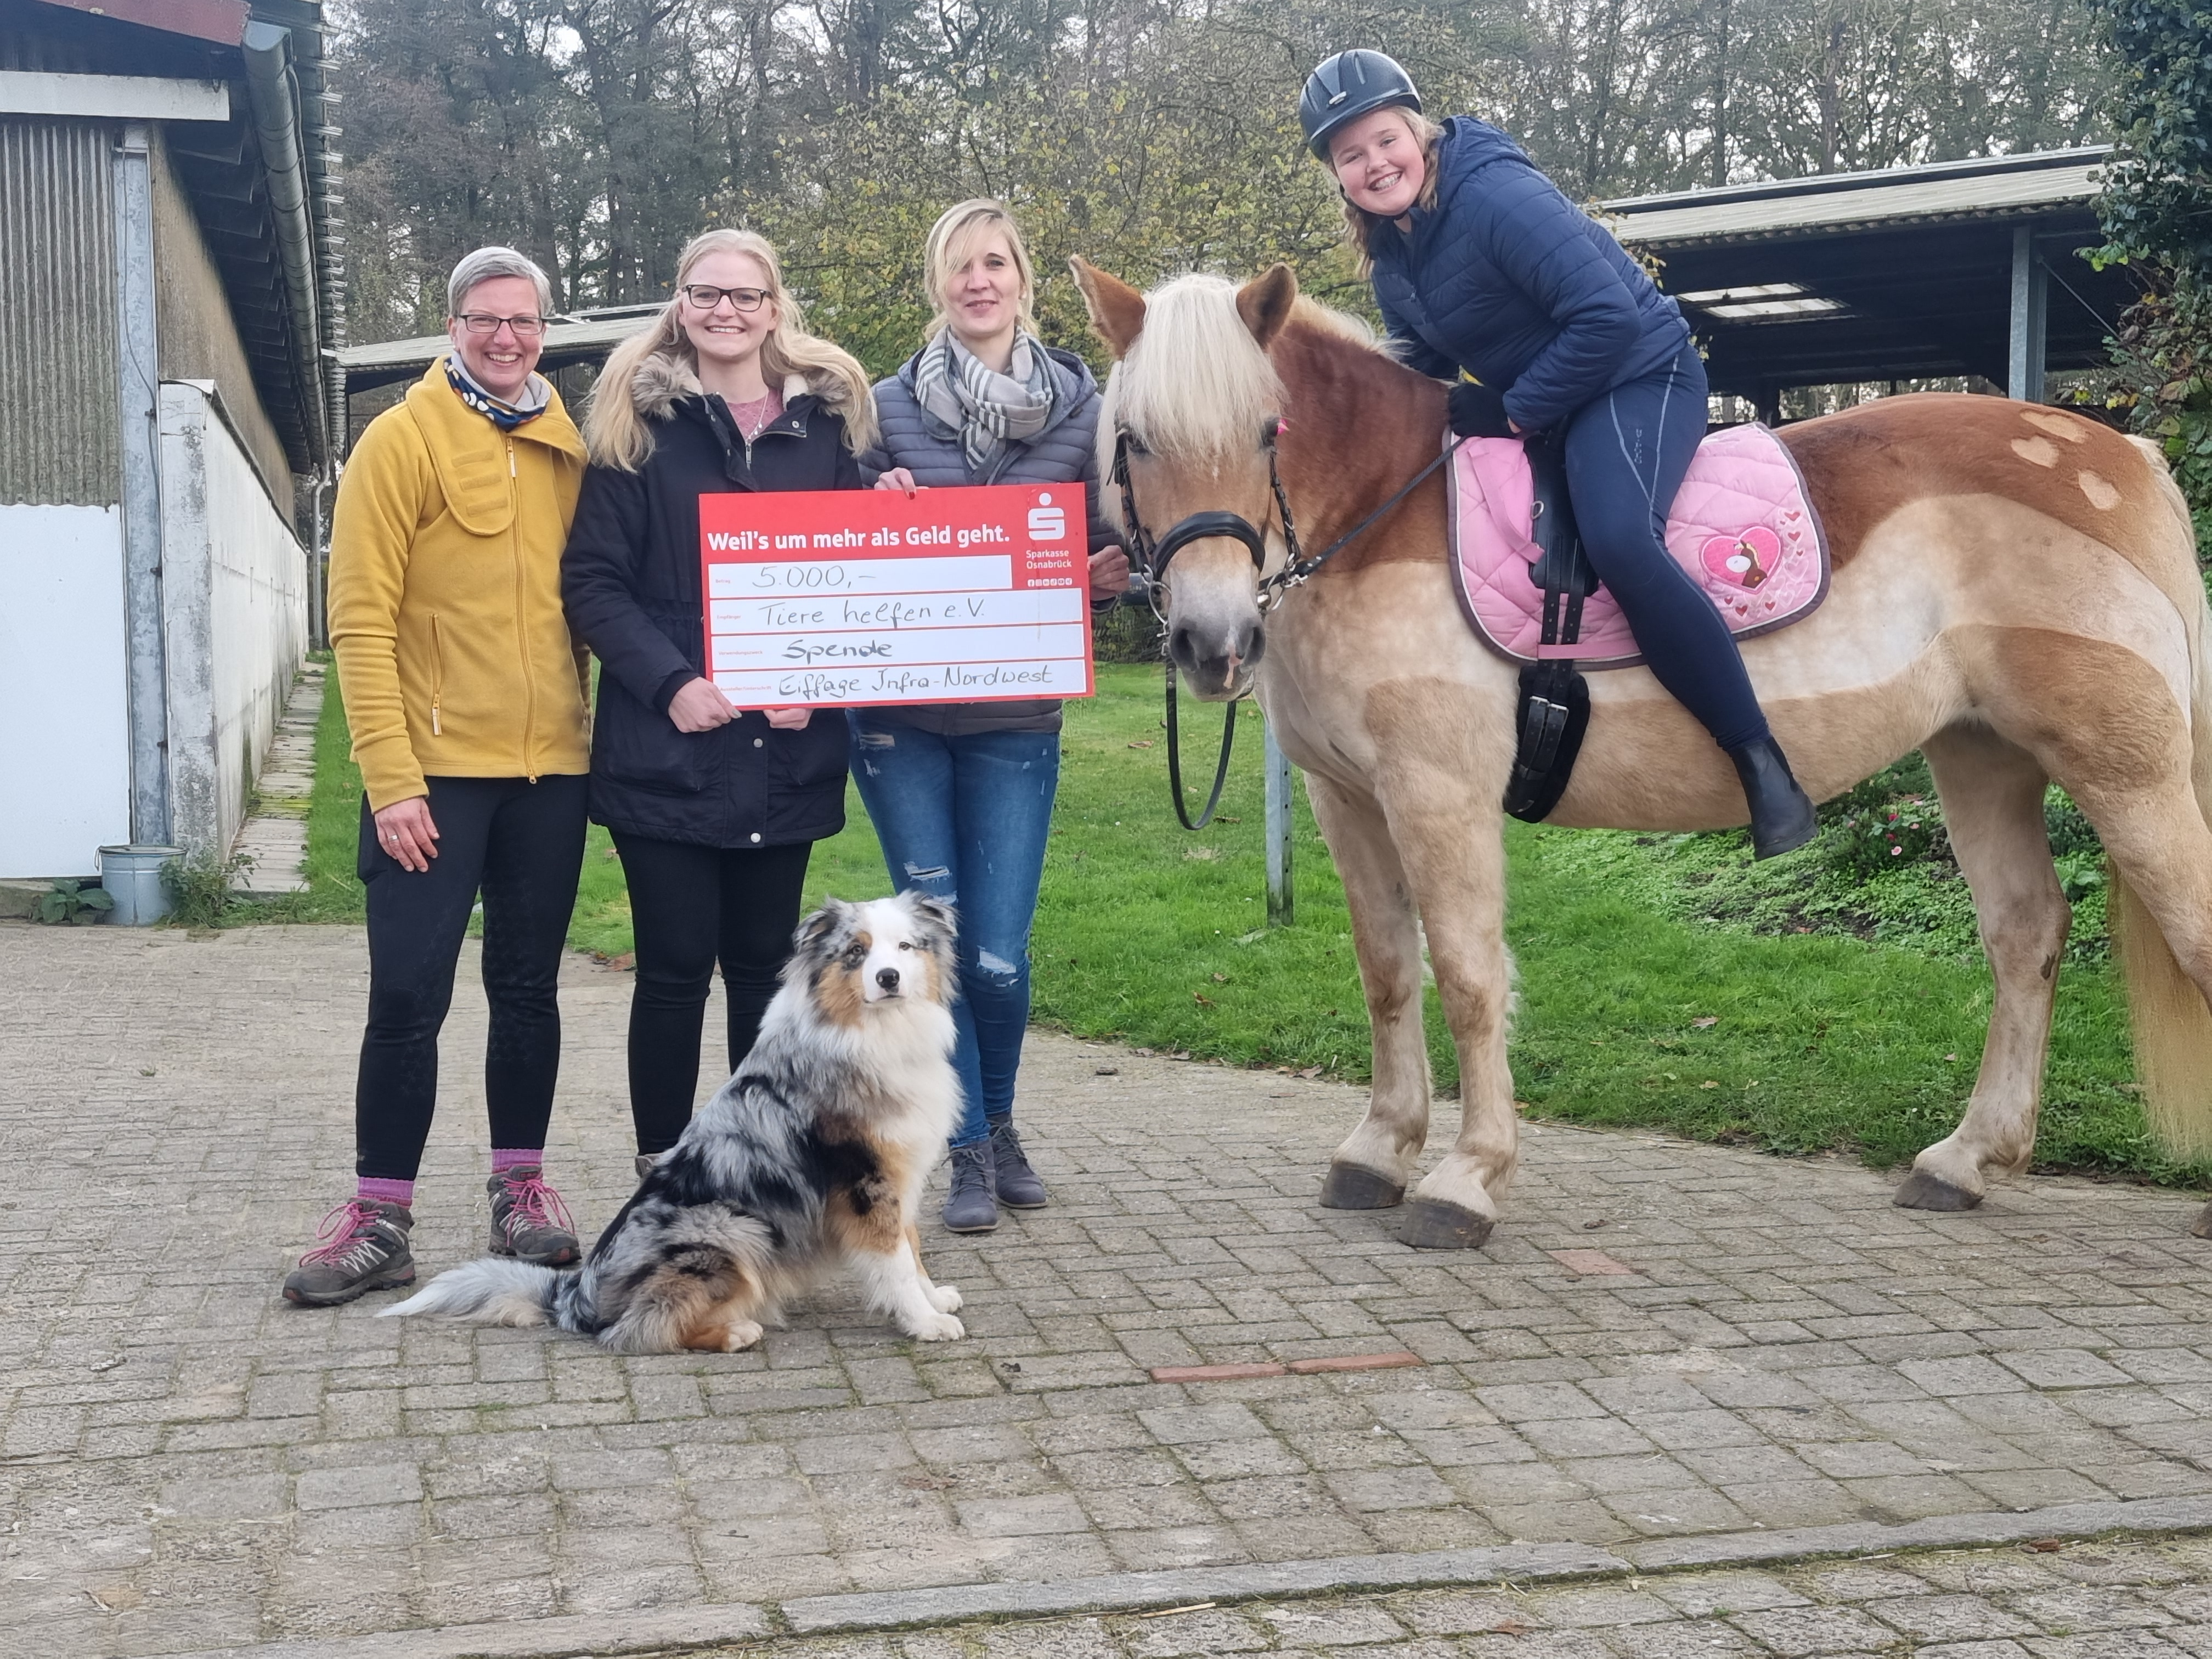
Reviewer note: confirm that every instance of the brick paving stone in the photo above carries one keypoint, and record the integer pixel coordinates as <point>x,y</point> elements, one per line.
<point>1790,1351</point>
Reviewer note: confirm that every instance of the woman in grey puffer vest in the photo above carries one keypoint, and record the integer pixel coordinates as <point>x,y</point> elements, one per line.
<point>961,793</point>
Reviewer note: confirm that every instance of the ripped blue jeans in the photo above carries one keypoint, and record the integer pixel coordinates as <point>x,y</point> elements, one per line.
<point>964,818</point>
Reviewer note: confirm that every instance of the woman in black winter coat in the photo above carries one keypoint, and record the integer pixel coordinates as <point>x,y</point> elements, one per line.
<point>1480,264</point>
<point>961,793</point>
<point>714,811</point>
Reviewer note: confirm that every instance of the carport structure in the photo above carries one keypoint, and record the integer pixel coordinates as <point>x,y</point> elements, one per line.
<point>1955,268</point>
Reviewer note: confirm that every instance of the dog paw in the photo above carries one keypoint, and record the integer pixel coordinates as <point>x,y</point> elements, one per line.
<point>741,1335</point>
<point>938,1327</point>
<point>945,1298</point>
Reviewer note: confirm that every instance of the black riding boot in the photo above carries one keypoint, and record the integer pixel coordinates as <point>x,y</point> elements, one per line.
<point>1782,815</point>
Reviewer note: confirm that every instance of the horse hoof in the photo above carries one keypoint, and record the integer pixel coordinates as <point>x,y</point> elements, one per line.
<point>2202,1227</point>
<point>1431,1223</point>
<point>1349,1187</point>
<point>1922,1191</point>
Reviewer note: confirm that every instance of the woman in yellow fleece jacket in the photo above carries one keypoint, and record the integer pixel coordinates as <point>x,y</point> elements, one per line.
<point>466,697</point>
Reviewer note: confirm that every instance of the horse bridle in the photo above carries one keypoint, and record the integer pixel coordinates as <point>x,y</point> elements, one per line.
<point>1151,558</point>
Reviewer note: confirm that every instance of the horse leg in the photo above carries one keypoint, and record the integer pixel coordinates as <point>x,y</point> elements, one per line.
<point>1992,794</point>
<point>1369,1171</point>
<point>1447,828</point>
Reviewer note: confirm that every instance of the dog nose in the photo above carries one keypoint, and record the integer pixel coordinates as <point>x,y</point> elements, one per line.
<point>888,978</point>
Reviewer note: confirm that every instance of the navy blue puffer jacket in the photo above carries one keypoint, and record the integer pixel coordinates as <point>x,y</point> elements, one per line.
<point>1064,451</point>
<point>1509,280</point>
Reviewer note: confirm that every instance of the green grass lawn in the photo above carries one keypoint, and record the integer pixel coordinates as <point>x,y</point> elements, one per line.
<point>1633,1010</point>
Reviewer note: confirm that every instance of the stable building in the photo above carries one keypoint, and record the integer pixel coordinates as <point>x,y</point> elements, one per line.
<point>170,310</point>
<point>1948,269</point>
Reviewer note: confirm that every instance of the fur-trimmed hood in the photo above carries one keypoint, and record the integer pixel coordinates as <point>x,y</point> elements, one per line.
<point>664,380</point>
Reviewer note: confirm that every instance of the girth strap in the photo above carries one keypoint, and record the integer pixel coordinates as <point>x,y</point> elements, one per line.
<point>1554,713</point>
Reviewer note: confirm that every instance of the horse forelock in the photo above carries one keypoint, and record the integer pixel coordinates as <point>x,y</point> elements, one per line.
<point>1194,384</point>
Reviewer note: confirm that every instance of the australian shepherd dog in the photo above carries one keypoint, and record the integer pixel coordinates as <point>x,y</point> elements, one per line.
<point>810,1158</point>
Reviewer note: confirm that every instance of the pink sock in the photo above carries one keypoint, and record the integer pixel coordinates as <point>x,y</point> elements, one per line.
<point>504,1158</point>
<point>376,1189</point>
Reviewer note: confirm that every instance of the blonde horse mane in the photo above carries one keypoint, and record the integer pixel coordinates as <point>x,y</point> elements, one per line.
<point>1194,385</point>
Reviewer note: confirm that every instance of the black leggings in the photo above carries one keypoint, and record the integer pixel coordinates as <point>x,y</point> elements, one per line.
<point>520,844</point>
<point>1627,453</point>
<point>690,907</point>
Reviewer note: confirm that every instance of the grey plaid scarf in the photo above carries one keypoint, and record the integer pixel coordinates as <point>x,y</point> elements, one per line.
<point>987,409</point>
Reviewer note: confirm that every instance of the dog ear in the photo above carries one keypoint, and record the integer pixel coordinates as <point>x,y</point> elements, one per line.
<point>819,927</point>
<point>933,913</point>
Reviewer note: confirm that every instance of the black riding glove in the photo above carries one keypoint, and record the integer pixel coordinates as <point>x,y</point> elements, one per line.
<point>1478,411</point>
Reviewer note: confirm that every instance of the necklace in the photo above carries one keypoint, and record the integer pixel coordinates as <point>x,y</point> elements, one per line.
<point>754,418</point>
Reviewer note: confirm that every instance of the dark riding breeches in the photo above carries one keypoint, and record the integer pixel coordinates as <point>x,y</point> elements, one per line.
<point>1626,455</point>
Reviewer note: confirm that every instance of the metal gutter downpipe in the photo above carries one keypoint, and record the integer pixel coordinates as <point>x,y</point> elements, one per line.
<point>274,95</point>
<point>138,390</point>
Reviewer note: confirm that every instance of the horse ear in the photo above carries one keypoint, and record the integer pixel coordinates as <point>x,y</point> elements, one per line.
<point>1264,302</point>
<point>1117,311</point>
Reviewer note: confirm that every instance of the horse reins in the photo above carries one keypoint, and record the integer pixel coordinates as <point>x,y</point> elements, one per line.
<point>1152,558</point>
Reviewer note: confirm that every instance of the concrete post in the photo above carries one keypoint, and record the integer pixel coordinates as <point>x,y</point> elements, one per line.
<point>1281,819</point>
<point>138,392</point>
<point>2030,287</point>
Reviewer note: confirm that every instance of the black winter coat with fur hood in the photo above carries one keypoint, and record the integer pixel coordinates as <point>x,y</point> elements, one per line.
<point>630,582</point>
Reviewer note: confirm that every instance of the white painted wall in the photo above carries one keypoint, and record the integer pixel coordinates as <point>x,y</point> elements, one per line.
<point>65,727</point>
<point>234,603</point>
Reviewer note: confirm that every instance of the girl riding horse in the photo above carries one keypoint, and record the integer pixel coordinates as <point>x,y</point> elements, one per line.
<point>1480,264</point>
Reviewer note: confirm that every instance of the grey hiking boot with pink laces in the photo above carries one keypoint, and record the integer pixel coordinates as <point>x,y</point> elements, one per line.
<point>361,1246</point>
<point>528,1220</point>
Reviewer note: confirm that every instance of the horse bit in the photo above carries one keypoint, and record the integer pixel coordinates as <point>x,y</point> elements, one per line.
<point>1151,559</point>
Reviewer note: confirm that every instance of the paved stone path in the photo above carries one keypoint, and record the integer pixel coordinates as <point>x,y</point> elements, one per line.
<point>1670,1355</point>
<point>276,836</point>
<point>2099,1600</point>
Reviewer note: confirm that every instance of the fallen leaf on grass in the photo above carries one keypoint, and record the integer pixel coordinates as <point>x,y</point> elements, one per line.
<point>1201,998</point>
<point>1311,1071</point>
<point>1704,1020</point>
<point>2045,1546</point>
<point>1142,743</point>
<point>1221,979</point>
<point>1709,1084</point>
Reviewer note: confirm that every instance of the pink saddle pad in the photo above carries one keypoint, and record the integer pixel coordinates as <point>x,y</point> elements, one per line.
<point>1741,526</point>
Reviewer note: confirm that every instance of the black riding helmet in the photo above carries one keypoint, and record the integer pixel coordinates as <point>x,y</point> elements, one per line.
<point>1346,86</point>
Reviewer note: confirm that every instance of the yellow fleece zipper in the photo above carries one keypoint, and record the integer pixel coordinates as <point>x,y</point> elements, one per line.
<point>437,673</point>
<point>521,624</point>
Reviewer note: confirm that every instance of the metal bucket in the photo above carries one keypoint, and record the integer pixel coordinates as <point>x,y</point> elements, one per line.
<point>132,877</point>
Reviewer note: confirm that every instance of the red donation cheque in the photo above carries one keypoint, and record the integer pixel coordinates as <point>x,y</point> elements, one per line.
<point>853,596</point>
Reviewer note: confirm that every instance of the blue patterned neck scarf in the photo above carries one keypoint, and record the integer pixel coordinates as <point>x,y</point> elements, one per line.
<point>536,397</point>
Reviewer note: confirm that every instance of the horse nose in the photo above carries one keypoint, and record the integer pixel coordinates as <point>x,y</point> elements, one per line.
<point>1218,661</point>
<point>887,978</point>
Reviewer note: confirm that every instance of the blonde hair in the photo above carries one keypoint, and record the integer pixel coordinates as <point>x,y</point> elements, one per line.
<point>952,242</point>
<point>1359,225</point>
<point>616,431</point>
<point>1194,385</point>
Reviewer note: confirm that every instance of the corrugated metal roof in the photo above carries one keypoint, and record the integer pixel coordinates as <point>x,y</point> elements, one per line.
<point>2024,186</point>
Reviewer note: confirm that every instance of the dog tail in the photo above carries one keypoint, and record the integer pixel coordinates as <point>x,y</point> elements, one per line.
<point>497,1291</point>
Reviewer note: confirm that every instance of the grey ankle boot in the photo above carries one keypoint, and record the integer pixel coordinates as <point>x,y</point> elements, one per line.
<point>1019,1189</point>
<point>972,1205</point>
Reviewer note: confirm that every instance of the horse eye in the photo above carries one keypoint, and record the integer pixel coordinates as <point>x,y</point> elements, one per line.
<point>1136,444</point>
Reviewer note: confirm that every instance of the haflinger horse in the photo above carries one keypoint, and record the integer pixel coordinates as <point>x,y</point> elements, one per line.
<point>2015,594</point>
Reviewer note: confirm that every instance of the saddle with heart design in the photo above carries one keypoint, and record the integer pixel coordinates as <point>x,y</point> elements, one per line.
<point>1741,526</point>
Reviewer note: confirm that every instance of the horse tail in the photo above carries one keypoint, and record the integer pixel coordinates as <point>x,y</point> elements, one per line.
<point>2173,1025</point>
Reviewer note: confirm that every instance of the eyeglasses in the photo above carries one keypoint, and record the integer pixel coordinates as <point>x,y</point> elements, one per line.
<point>707,298</point>
<point>482,322</point>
